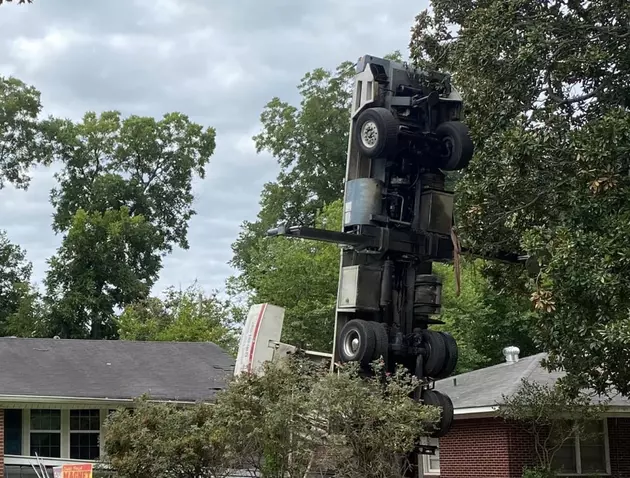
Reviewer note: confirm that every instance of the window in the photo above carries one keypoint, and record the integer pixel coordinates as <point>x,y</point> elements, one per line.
<point>431,463</point>
<point>85,427</point>
<point>12,431</point>
<point>46,433</point>
<point>585,455</point>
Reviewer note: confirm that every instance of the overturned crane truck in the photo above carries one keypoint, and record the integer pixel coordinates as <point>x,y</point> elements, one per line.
<point>405,132</point>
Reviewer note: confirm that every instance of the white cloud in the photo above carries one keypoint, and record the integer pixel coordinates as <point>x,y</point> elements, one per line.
<point>219,62</point>
<point>37,53</point>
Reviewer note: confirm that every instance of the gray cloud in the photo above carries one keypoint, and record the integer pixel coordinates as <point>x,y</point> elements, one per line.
<point>219,62</point>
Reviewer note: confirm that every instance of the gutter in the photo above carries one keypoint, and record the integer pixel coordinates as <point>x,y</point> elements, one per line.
<point>104,401</point>
<point>490,411</point>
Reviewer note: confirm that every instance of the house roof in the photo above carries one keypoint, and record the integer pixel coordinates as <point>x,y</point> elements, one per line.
<point>112,369</point>
<point>487,386</point>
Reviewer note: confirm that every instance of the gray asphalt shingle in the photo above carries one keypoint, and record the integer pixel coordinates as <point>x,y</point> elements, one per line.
<point>486,387</point>
<point>112,369</point>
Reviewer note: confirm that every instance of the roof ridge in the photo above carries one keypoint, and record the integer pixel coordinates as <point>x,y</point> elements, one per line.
<point>51,339</point>
<point>526,374</point>
<point>491,367</point>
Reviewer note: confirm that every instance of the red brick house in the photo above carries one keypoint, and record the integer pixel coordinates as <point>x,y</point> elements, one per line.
<point>55,394</point>
<point>482,445</point>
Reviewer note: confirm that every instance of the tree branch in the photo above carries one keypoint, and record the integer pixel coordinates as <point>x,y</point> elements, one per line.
<point>576,99</point>
<point>526,205</point>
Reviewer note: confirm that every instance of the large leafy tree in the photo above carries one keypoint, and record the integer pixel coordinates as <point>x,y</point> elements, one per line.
<point>123,200</point>
<point>189,315</point>
<point>21,140</point>
<point>22,145</point>
<point>546,89</point>
<point>106,260</point>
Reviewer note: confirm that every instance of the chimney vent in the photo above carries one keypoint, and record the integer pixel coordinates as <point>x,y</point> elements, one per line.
<point>511,354</point>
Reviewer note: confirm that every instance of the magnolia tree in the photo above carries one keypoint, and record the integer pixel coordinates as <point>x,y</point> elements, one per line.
<point>292,419</point>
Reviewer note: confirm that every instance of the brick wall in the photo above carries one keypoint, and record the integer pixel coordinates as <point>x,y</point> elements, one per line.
<point>522,450</point>
<point>492,448</point>
<point>484,448</point>
<point>1,443</point>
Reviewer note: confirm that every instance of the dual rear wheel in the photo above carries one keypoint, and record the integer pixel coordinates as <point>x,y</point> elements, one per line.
<point>364,341</point>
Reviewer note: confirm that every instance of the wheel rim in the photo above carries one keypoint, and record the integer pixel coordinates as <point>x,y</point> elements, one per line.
<point>351,343</point>
<point>369,134</point>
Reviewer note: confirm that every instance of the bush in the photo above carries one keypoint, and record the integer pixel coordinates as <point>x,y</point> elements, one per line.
<point>293,418</point>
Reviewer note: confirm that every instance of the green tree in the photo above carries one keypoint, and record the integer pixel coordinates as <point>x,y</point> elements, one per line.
<point>545,84</point>
<point>124,199</point>
<point>15,274</point>
<point>553,416</point>
<point>31,316</point>
<point>188,315</point>
<point>482,319</point>
<point>300,276</point>
<point>23,144</point>
<point>292,418</point>
<point>106,260</point>
<point>21,141</point>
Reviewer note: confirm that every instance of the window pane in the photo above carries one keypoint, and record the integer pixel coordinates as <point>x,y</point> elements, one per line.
<point>12,431</point>
<point>592,448</point>
<point>85,420</point>
<point>45,419</point>
<point>46,444</point>
<point>84,446</point>
<point>564,460</point>
<point>431,463</point>
<point>593,459</point>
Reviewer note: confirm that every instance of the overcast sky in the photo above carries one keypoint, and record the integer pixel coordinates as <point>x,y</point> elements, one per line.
<point>217,61</point>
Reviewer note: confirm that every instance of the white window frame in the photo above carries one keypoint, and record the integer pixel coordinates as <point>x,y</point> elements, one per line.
<point>82,432</point>
<point>31,430</point>
<point>425,460</point>
<point>26,458</point>
<point>578,453</point>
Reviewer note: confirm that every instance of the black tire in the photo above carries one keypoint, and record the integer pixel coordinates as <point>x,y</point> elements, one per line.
<point>376,132</point>
<point>381,347</point>
<point>456,137</point>
<point>452,354</point>
<point>442,401</point>
<point>436,357</point>
<point>365,345</point>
